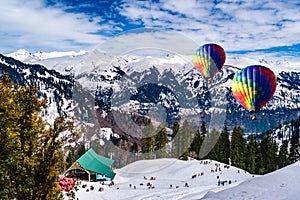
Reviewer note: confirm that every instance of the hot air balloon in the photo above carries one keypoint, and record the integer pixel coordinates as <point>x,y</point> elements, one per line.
<point>253,87</point>
<point>209,59</point>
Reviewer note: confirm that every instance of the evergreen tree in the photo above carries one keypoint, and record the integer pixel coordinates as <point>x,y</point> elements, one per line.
<point>196,144</point>
<point>258,158</point>
<point>175,129</point>
<point>206,145</point>
<point>176,140</point>
<point>221,150</point>
<point>294,149</point>
<point>224,146</point>
<point>70,158</point>
<point>272,156</point>
<point>186,132</point>
<point>251,153</point>
<point>283,156</point>
<point>147,141</point>
<point>81,150</point>
<point>203,128</point>
<point>295,125</point>
<point>264,155</point>
<point>269,154</point>
<point>31,157</point>
<point>214,138</point>
<point>238,148</point>
<point>182,141</point>
<point>49,162</point>
<point>160,141</point>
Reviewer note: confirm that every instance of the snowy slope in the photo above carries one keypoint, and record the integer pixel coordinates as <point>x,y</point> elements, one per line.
<point>99,58</point>
<point>53,86</point>
<point>176,72</point>
<point>166,172</point>
<point>62,62</point>
<point>276,63</point>
<point>281,184</point>
<point>28,57</point>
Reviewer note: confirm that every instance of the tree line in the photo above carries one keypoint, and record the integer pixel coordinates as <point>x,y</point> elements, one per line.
<point>252,153</point>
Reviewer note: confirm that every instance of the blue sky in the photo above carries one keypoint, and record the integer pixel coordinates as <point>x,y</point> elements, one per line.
<point>240,26</point>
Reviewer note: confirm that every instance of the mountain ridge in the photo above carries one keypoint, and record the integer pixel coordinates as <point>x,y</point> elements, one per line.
<point>181,93</point>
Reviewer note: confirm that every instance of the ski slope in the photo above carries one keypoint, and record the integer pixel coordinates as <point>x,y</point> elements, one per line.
<point>171,177</point>
<point>281,184</point>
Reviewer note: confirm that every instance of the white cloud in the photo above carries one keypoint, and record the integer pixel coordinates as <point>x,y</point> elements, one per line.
<point>238,25</point>
<point>191,9</point>
<point>167,41</point>
<point>234,24</point>
<point>32,25</point>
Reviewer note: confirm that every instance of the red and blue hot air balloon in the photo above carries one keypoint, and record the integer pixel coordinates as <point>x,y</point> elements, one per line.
<point>253,87</point>
<point>209,59</point>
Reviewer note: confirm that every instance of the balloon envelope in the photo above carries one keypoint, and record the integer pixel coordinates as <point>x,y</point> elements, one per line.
<point>209,59</point>
<point>253,87</point>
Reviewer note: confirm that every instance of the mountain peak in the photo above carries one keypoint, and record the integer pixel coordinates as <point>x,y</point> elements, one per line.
<point>23,51</point>
<point>25,56</point>
<point>20,54</point>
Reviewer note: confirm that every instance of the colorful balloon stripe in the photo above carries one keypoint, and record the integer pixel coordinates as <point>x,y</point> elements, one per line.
<point>209,59</point>
<point>254,86</point>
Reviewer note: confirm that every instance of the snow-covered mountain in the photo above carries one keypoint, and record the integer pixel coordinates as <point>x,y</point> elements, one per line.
<point>62,62</point>
<point>176,73</point>
<point>165,86</point>
<point>28,57</point>
<point>65,97</point>
<point>53,86</point>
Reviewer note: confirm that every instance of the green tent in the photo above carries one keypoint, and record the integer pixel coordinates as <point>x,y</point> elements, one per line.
<point>92,163</point>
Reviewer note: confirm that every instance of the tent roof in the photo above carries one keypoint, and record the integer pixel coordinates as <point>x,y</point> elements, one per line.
<point>96,163</point>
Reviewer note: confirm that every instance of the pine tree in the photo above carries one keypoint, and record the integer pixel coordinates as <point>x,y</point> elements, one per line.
<point>147,141</point>
<point>70,158</point>
<point>224,146</point>
<point>251,153</point>
<point>264,155</point>
<point>238,148</point>
<point>259,163</point>
<point>294,149</point>
<point>272,156</point>
<point>196,144</point>
<point>186,132</point>
<point>283,156</point>
<point>269,154</point>
<point>175,129</point>
<point>160,141</point>
<point>203,128</point>
<point>31,157</point>
<point>182,141</point>
<point>221,150</point>
<point>214,139</point>
<point>81,150</point>
<point>175,140</point>
<point>49,162</point>
<point>206,146</point>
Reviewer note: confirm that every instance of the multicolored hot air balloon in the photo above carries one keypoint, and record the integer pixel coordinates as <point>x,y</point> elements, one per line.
<point>209,59</point>
<point>253,87</point>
